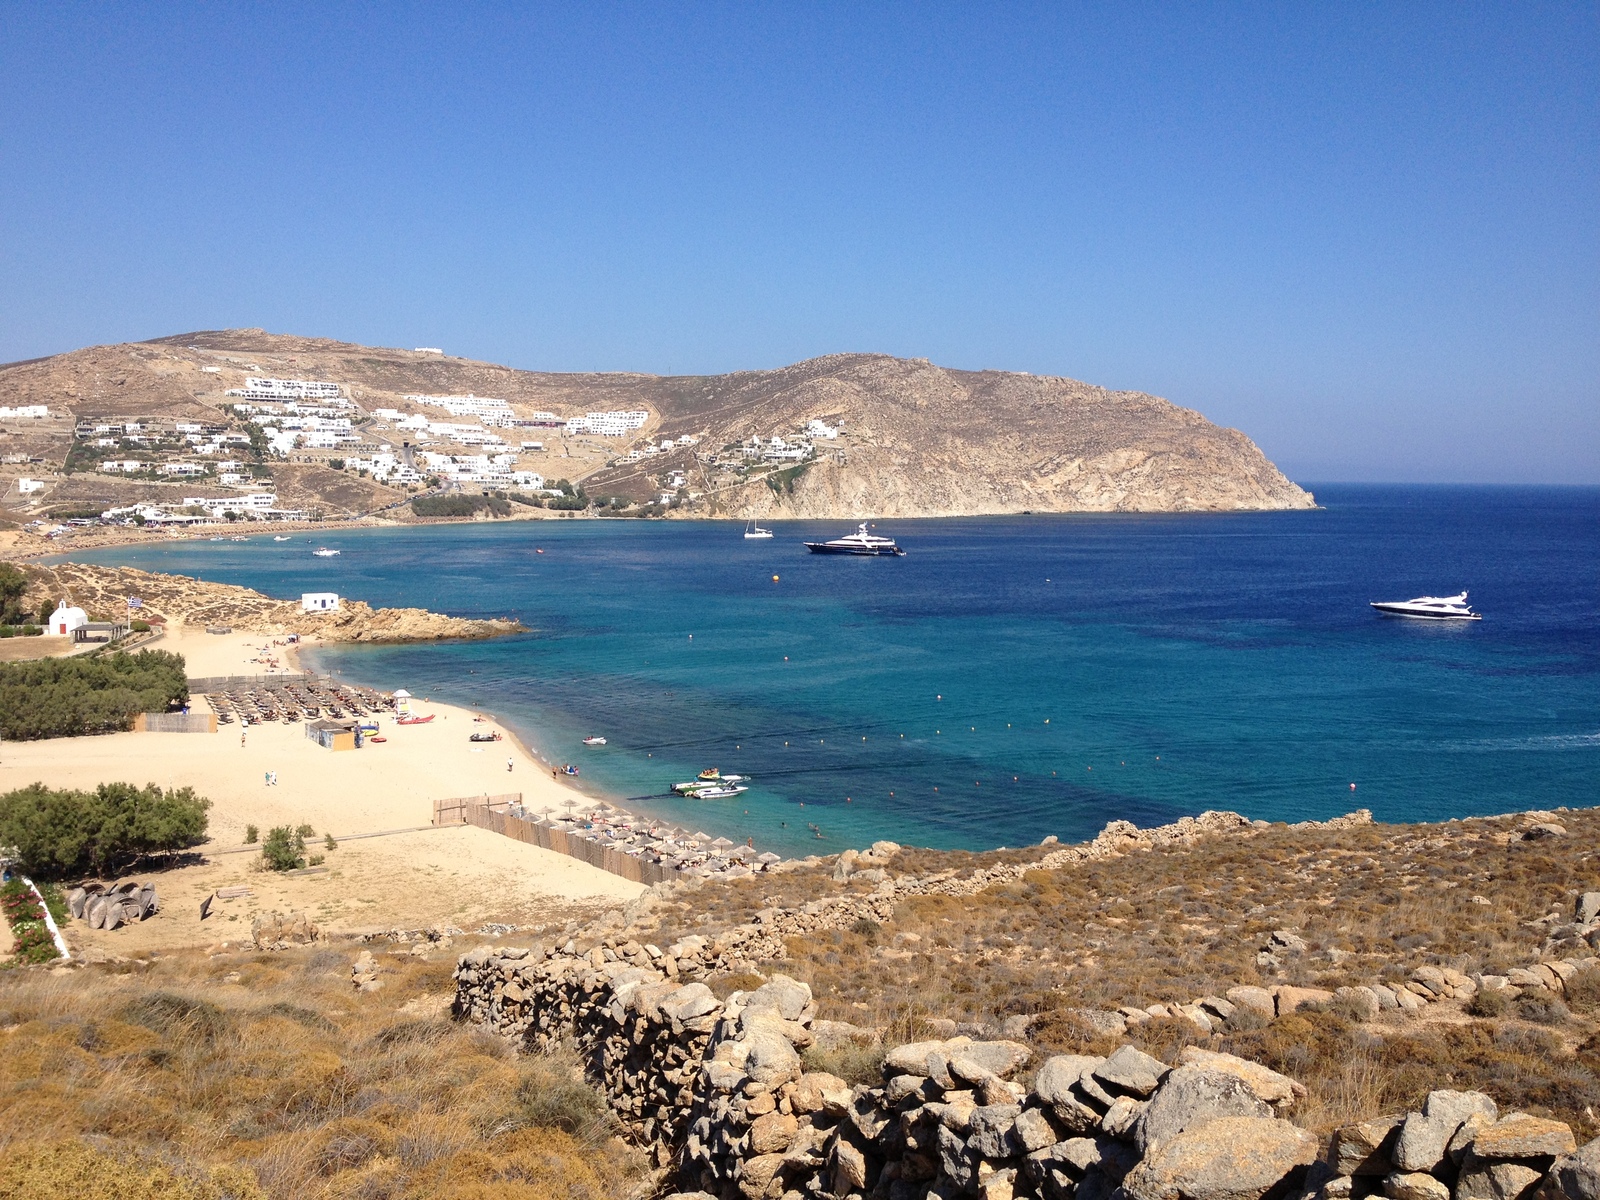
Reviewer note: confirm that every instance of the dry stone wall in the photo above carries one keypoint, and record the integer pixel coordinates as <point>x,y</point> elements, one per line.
<point>718,1092</point>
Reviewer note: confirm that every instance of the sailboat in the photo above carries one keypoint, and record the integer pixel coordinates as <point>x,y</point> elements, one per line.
<point>754,531</point>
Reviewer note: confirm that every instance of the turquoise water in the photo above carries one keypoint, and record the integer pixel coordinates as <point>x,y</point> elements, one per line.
<point>1011,677</point>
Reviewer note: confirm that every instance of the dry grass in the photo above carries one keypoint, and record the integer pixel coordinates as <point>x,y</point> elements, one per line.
<point>285,1080</point>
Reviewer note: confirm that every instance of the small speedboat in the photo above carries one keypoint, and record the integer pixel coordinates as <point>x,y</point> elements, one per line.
<point>1429,608</point>
<point>754,532</point>
<point>280,538</point>
<point>594,741</point>
<point>323,552</point>
<point>717,793</point>
<point>215,539</point>
<point>860,542</point>
<point>238,539</point>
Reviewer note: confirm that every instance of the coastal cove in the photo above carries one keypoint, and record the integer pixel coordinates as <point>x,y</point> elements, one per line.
<point>1010,677</point>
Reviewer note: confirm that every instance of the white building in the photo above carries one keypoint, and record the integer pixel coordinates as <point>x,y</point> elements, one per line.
<point>607,424</point>
<point>25,412</point>
<point>488,409</point>
<point>182,469</point>
<point>27,487</point>
<point>287,389</point>
<point>67,620</point>
<point>528,479</point>
<point>821,429</point>
<point>319,602</point>
<point>128,465</point>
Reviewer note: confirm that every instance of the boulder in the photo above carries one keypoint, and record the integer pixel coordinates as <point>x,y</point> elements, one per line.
<point>1576,1176</point>
<point>1363,999</point>
<point>788,996</point>
<point>1191,1097</point>
<point>997,1057</point>
<point>1522,1136</point>
<point>1266,1083</point>
<point>1234,1158</point>
<point>1587,910</point>
<point>1257,999</point>
<point>1364,1149</point>
<point>756,1174</point>
<point>1408,1001</point>
<point>1055,1086</point>
<point>1131,1070</point>
<point>1034,1131</point>
<point>1416,1185</point>
<point>772,1060</point>
<point>1385,996</point>
<point>772,1133</point>
<point>1121,1117</point>
<point>1292,999</point>
<point>989,1130</point>
<point>1486,1179</point>
<point>1425,1135</point>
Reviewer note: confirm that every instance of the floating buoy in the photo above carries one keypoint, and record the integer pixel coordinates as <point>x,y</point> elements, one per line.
<point>774,579</point>
<point>691,637</point>
<point>1352,787</point>
<point>785,658</point>
<point>938,697</point>
<point>1047,720</point>
<point>863,737</point>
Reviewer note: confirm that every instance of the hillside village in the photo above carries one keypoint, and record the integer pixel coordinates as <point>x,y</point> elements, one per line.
<point>243,426</point>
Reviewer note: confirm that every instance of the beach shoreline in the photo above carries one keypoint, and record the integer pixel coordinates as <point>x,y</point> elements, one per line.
<point>271,774</point>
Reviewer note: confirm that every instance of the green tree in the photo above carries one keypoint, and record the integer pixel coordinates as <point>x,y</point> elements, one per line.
<point>284,849</point>
<point>62,833</point>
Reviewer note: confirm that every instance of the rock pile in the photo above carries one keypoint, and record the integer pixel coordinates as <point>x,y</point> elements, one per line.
<point>279,931</point>
<point>112,907</point>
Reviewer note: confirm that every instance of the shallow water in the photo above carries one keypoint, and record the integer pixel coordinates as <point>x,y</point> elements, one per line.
<point>1011,677</point>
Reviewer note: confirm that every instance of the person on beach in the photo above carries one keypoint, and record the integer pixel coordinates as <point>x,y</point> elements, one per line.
<point>508,764</point>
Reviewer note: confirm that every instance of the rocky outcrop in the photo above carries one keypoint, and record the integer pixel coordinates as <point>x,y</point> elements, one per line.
<point>185,601</point>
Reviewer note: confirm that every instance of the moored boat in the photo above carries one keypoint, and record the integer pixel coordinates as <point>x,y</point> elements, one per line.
<point>594,741</point>
<point>1429,608</point>
<point>754,532</point>
<point>860,542</point>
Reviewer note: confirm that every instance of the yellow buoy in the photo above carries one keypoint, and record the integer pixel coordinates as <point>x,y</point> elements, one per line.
<point>774,579</point>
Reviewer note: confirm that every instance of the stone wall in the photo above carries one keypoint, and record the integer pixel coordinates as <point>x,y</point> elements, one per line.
<point>718,1093</point>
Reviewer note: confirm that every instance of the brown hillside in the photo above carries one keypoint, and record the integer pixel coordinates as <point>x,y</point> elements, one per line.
<point>918,439</point>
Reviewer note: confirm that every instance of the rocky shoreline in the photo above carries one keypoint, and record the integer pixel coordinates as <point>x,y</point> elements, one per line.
<point>181,600</point>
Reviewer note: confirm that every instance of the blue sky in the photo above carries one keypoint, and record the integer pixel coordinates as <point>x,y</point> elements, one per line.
<point>1365,234</point>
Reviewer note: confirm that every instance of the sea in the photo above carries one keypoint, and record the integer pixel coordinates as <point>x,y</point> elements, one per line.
<point>1010,677</point>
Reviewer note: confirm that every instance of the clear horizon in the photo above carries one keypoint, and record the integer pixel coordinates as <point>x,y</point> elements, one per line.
<point>1368,238</point>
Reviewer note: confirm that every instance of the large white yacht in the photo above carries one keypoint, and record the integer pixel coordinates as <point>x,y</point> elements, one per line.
<point>1429,608</point>
<point>859,542</point>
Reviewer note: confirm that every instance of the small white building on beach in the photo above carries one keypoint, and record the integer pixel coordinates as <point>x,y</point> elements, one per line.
<point>315,602</point>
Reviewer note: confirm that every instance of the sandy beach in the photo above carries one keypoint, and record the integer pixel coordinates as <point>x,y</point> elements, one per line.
<point>458,875</point>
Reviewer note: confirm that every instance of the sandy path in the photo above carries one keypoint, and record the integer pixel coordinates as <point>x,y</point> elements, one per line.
<point>461,876</point>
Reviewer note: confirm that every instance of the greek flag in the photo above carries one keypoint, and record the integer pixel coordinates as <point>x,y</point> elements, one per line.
<point>135,602</point>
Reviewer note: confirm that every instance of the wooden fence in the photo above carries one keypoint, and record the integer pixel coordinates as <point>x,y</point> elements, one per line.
<point>494,813</point>
<point>175,723</point>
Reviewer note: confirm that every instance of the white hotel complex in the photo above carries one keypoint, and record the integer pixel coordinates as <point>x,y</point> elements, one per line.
<point>607,424</point>
<point>25,412</point>
<point>287,389</point>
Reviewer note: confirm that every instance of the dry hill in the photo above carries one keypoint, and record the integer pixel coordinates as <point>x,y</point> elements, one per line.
<point>914,439</point>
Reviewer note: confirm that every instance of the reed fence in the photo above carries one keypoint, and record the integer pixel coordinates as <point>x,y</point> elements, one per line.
<point>494,813</point>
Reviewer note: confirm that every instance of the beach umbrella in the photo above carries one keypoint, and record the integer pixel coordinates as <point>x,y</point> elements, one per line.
<point>769,857</point>
<point>701,837</point>
<point>722,841</point>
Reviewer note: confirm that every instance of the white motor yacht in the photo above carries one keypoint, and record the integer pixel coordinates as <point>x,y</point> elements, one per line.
<point>323,552</point>
<point>1429,608</point>
<point>859,542</point>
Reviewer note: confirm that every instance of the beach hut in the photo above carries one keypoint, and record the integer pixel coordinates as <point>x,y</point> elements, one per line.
<point>335,733</point>
<point>402,702</point>
<point>315,602</point>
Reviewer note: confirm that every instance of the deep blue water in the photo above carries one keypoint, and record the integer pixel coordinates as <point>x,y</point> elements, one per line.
<point>1012,677</point>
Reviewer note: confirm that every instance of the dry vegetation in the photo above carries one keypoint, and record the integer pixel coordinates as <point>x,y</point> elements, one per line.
<point>1372,902</point>
<point>266,1076</point>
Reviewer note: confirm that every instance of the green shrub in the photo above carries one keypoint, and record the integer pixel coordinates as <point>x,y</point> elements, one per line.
<point>1542,1008</point>
<point>330,843</point>
<point>67,833</point>
<point>65,697</point>
<point>460,506</point>
<point>284,849</point>
<point>552,1096</point>
<point>1583,991</point>
<point>251,835</point>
